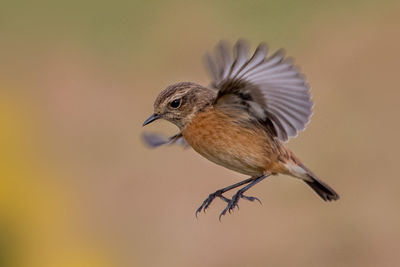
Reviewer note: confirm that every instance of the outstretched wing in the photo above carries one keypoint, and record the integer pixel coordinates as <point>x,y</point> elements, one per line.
<point>154,140</point>
<point>271,89</point>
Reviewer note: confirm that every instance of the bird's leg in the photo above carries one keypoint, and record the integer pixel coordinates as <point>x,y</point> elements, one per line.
<point>206,203</point>
<point>239,194</point>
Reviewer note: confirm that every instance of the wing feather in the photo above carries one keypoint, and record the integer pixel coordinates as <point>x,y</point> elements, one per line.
<point>268,87</point>
<point>154,140</point>
<point>256,60</point>
<point>241,54</point>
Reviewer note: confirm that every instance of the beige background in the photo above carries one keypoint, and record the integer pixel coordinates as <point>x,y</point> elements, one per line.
<point>79,188</point>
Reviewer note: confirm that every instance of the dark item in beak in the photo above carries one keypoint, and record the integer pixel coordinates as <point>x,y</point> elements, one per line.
<point>152,118</point>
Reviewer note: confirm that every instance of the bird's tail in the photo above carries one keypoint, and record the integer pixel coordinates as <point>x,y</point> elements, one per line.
<point>322,189</point>
<point>298,169</point>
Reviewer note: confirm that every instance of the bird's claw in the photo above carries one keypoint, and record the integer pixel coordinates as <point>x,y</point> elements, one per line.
<point>251,199</point>
<point>234,203</point>
<point>207,202</point>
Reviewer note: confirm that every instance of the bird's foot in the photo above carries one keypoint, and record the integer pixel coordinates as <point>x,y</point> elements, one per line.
<point>234,202</point>
<point>206,203</point>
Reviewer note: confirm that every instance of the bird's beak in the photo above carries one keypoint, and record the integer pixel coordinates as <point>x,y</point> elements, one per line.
<point>152,118</point>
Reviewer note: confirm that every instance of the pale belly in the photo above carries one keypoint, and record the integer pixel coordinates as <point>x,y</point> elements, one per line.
<point>227,144</point>
<point>246,164</point>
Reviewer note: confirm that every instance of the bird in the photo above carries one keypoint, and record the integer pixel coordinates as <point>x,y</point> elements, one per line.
<point>243,119</point>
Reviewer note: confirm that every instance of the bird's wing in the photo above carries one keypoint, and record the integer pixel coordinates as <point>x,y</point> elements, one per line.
<point>270,88</point>
<point>154,140</point>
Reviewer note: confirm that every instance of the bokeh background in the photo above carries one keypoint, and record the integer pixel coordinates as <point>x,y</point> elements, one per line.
<point>79,188</point>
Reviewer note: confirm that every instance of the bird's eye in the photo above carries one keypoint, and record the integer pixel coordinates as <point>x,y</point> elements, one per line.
<point>175,103</point>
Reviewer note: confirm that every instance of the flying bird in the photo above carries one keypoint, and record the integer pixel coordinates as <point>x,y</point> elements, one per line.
<point>243,119</point>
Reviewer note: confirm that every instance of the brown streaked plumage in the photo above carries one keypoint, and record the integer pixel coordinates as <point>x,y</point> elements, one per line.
<point>254,105</point>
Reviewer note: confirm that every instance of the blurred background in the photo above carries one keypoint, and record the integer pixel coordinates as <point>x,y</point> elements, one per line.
<point>79,188</point>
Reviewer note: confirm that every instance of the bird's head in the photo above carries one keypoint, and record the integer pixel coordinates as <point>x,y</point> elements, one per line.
<point>180,102</point>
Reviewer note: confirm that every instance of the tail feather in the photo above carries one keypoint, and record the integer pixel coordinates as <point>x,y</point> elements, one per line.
<point>322,189</point>
<point>297,169</point>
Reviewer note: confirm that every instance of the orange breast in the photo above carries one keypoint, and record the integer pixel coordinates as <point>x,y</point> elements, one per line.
<point>217,137</point>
